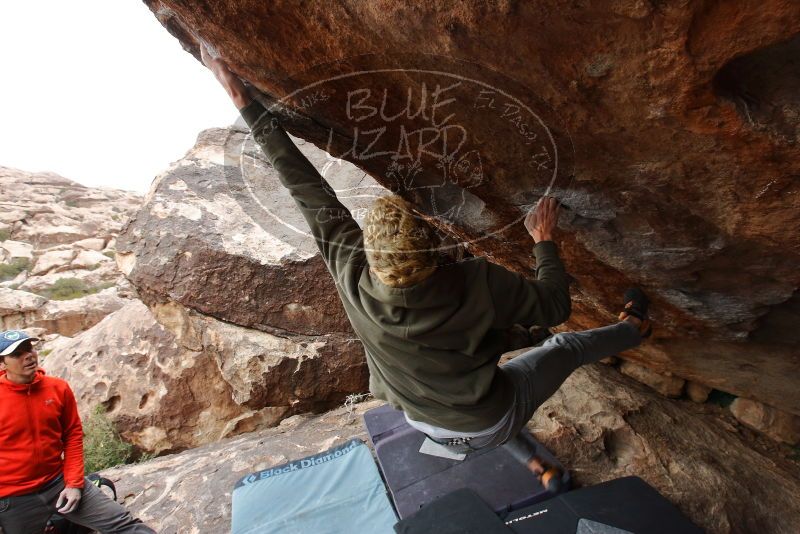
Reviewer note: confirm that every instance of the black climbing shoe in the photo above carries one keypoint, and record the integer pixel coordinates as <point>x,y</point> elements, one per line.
<point>636,304</point>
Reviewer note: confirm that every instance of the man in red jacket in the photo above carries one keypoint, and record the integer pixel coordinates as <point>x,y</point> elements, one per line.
<point>41,450</point>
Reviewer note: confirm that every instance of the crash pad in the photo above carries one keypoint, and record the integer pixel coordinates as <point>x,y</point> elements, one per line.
<point>415,479</point>
<point>459,512</point>
<point>623,506</point>
<point>338,490</point>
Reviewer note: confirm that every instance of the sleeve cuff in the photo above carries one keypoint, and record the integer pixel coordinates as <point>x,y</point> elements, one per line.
<point>544,248</point>
<point>252,112</point>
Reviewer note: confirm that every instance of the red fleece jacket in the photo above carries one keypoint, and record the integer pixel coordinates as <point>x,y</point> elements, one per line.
<point>38,422</point>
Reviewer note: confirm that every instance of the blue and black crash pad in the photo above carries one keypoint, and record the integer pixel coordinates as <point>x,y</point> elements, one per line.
<point>415,479</point>
<point>622,506</point>
<point>335,491</point>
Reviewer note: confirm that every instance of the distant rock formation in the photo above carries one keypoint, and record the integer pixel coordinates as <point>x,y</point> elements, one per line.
<point>27,311</point>
<point>45,210</point>
<point>57,244</point>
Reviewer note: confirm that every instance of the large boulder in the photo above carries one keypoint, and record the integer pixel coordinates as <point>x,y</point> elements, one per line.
<point>300,373</point>
<point>727,479</point>
<point>168,392</point>
<point>668,131</point>
<point>161,396</point>
<point>228,242</point>
<point>220,256</point>
<point>601,424</point>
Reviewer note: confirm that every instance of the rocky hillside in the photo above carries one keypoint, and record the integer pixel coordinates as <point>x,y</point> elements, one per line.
<point>58,276</point>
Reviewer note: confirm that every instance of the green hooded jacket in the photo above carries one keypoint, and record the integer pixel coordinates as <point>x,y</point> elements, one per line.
<point>432,348</point>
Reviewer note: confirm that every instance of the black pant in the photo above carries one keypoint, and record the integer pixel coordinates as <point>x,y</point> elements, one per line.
<point>28,514</point>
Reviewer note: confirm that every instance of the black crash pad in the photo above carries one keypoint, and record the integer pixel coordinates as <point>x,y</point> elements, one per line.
<point>459,512</point>
<point>622,506</point>
<point>415,479</point>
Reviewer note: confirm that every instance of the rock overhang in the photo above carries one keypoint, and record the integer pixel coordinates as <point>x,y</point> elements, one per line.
<point>669,184</point>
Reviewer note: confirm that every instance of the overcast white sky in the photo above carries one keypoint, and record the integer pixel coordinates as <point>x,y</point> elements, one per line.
<point>99,92</point>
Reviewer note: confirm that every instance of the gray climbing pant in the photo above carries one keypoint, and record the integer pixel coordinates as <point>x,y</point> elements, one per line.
<point>537,374</point>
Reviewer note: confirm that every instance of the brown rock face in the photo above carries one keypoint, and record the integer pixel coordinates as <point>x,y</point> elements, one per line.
<point>668,130</point>
<point>726,479</point>
<point>669,386</point>
<point>229,243</point>
<point>777,424</point>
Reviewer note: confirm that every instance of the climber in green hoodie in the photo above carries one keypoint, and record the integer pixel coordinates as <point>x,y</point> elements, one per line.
<point>433,331</point>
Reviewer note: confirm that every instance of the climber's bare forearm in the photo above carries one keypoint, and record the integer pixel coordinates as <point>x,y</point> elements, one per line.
<point>230,82</point>
<point>240,98</point>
